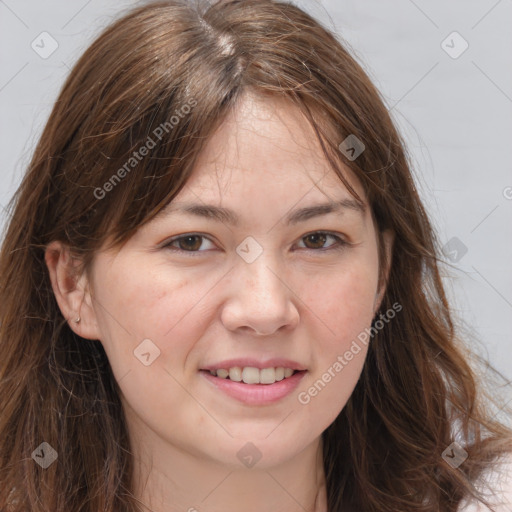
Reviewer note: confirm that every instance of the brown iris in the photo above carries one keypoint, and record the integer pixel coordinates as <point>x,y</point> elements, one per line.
<point>185,245</point>
<point>319,237</point>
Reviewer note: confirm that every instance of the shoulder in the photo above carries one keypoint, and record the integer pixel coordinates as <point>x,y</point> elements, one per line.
<point>496,487</point>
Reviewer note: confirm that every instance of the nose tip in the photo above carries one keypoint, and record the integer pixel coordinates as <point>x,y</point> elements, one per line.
<point>260,303</point>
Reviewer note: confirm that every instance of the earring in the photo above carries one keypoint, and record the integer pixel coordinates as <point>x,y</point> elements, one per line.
<point>77,320</point>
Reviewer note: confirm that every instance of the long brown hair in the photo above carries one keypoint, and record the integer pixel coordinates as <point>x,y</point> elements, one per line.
<point>171,71</point>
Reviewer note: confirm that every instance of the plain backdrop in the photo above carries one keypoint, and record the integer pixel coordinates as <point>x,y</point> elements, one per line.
<point>445,71</point>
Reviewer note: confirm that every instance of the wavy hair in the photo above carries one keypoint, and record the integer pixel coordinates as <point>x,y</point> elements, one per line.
<point>194,61</point>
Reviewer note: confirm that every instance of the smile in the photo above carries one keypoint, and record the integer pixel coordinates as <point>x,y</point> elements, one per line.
<point>251,375</point>
<point>254,393</point>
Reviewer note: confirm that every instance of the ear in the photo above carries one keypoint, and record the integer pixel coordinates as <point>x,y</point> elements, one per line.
<point>71,291</point>
<point>388,238</point>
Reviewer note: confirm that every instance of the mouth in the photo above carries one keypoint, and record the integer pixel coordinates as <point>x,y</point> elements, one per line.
<point>252,375</point>
<point>253,388</point>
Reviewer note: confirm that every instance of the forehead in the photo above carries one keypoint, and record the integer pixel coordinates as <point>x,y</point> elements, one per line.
<point>267,142</point>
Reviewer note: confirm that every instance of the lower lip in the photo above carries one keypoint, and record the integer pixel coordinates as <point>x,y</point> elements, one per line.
<point>256,394</point>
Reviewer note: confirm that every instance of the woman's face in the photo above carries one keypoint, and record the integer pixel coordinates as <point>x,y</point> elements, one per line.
<point>170,305</point>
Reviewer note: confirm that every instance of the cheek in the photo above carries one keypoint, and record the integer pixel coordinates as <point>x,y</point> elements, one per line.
<point>344,302</point>
<point>141,298</point>
<point>341,309</point>
<point>153,303</point>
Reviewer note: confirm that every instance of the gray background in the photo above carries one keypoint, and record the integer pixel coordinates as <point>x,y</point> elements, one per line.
<point>455,114</point>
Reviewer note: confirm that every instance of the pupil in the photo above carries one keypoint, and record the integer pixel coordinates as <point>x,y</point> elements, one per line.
<point>321,237</point>
<point>184,242</point>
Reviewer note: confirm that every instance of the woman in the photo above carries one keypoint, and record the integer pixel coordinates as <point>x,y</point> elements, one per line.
<point>220,287</point>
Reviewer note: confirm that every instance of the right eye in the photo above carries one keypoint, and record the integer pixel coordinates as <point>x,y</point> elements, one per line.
<point>186,243</point>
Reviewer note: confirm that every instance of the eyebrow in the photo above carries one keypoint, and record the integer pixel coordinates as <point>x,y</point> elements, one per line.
<point>227,216</point>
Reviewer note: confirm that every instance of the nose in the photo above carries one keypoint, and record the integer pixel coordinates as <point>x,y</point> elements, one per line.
<point>261,301</point>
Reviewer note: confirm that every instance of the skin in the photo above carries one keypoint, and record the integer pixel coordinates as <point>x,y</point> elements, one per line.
<point>296,300</point>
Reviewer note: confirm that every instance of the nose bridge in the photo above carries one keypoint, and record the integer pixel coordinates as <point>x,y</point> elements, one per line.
<point>260,299</point>
<point>261,277</point>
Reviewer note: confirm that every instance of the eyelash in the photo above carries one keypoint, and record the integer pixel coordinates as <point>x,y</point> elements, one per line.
<point>339,245</point>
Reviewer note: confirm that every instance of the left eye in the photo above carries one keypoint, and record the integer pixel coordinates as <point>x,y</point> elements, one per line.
<point>192,243</point>
<point>319,238</point>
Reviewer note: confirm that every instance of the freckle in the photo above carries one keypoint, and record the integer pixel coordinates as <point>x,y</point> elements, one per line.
<point>162,294</point>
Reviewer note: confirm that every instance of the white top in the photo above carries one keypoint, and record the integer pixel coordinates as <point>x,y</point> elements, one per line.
<point>499,481</point>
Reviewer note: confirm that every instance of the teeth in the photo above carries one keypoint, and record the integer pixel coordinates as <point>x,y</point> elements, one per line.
<point>251,375</point>
<point>266,376</point>
<point>222,374</point>
<point>235,374</point>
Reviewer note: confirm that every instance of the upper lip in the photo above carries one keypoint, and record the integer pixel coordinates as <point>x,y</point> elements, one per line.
<point>242,362</point>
